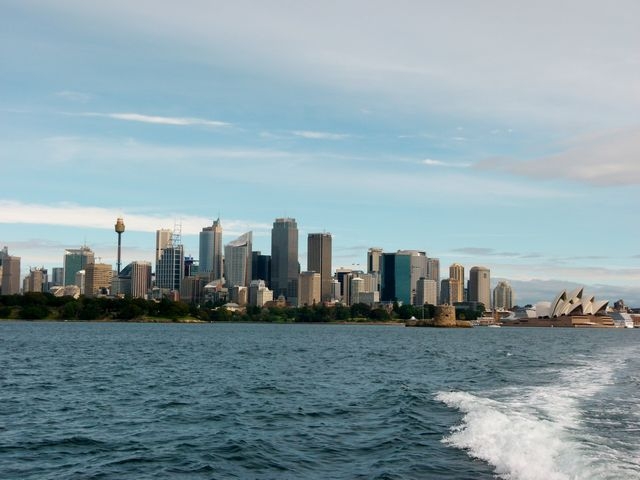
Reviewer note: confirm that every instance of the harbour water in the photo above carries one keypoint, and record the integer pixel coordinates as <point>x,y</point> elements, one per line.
<point>218,401</point>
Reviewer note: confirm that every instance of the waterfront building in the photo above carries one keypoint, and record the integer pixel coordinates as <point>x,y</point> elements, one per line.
<point>210,259</point>
<point>237,256</point>
<point>97,280</point>
<point>79,280</point>
<point>396,278</point>
<point>164,239</point>
<point>10,274</point>
<point>191,266</point>
<point>261,267</point>
<point>170,268</point>
<point>140,279</point>
<point>259,294</point>
<point>445,296</point>
<point>192,289</point>
<point>374,255</point>
<point>319,261</point>
<point>309,289</point>
<point>335,289</point>
<point>480,286</point>
<point>57,276</point>
<point>426,292</point>
<point>285,266</point>
<point>36,281</point>
<point>418,268</point>
<point>343,276</point>
<point>433,273</point>
<point>503,297</point>
<point>456,283</point>
<point>74,261</point>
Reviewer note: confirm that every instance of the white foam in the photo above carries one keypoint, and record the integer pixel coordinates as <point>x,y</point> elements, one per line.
<point>518,445</point>
<point>535,433</point>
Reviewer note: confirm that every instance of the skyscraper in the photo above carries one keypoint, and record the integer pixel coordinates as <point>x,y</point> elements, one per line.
<point>10,275</point>
<point>237,258</point>
<point>433,273</point>
<point>426,292</point>
<point>170,268</point>
<point>97,278</point>
<point>373,260</point>
<point>211,250</point>
<point>260,267</point>
<point>309,289</point>
<point>74,261</point>
<point>140,279</point>
<point>164,238</point>
<point>319,261</point>
<point>480,286</point>
<point>456,283</point>
<point>284,258</point>
<point>503,296</point>
<point>396,278</point>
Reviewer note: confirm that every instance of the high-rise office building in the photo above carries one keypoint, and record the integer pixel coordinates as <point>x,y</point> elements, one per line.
<point>426,292</point>
<point>319,261</point>
<point>170,268</point>
<point>261,267</point>
<point>309,290</point>
<point>480,286</point>
<point>140,279</point>
<point>57,276</point>
<point>211,250</point>
<point>396,278</point>
<point>373,259</point>
<point>456,283</point>
<point>433,273</point>
<point>285,266</point>
<point>37,280</point>
<point>418,266</point>
<point>97,279</point>
<point>164,239</point>
<point>74,261</point>
<point>237,260</point>
<point>503,297</point>
<point>4,252</point>
<point>10,274</point>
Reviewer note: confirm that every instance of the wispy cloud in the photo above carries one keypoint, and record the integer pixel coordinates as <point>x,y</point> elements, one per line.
<point>320,135</point>
<point>73,215</point>
<point>159,120</point>
<point>73,96</point>
<point>439,163</point>
<point>601,159</point>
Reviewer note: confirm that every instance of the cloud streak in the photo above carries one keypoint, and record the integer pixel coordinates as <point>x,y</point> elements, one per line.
<point>73,215</point>
<point>159,120</point>
<point>320,135</point>
<point>429,162</point>
<point>602,159</point>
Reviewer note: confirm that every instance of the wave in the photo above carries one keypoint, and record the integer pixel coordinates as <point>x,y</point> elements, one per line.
<point>519,446</point>
<point>544,432</point>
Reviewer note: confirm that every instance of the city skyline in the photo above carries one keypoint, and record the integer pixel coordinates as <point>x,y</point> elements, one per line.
<point>491,134</point>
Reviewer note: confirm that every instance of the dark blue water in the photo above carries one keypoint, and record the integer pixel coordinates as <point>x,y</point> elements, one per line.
<point>135,401</point>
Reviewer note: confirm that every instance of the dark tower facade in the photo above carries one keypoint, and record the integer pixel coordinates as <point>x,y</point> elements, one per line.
<point>285,267</point>
<point>319,261</point>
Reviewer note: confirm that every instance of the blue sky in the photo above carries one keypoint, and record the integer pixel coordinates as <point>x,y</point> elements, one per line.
<point>487,133</point>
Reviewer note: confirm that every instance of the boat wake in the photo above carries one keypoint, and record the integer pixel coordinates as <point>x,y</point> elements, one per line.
<point>544,432</point>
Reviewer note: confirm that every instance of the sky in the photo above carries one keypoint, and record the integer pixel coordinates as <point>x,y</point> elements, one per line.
<point>495,133</point>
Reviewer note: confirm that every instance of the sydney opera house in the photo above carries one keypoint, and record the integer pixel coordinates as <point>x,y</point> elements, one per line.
<point>572,309</point>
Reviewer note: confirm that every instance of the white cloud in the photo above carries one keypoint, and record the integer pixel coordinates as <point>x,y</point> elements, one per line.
<point>159,120</point>
<point>439,163</point>
<point>320,135</point>
<point>601,159</point>
<point>73,215</point>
